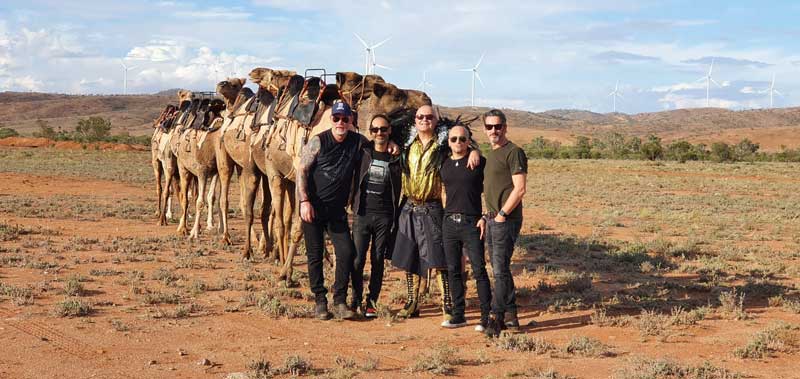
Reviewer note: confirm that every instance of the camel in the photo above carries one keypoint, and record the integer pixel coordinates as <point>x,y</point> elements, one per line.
<point>196,158</point>
<point>165,118</point>
<point>359,90</point>
<point>164,163</point>
<point>234,151</point>
<point>287,138</point>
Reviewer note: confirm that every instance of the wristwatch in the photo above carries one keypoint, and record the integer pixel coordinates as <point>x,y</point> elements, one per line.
<point>503,213</point>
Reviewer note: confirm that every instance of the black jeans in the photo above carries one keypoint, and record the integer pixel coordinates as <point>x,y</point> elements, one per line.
<point>339,233</point>
<point>377,228</point>
<point>501,237</point>
<point>457,236</point>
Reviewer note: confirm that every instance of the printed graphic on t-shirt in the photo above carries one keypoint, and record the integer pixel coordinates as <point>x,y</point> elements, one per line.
<point>377,177</point>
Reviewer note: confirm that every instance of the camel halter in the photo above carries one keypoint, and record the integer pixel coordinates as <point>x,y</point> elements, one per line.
<point>349,94</point>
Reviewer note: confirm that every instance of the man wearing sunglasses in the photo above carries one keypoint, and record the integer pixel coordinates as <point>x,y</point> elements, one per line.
<point>461,229</point>
<point>504,186</point>
<point>324,179</point>
<point>375,199</point>
<point>418,244</point>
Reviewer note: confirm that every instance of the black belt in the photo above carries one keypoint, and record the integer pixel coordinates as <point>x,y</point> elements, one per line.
<point>461,217</point>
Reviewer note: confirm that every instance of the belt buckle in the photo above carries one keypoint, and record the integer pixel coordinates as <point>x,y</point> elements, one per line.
<point>456,217</point>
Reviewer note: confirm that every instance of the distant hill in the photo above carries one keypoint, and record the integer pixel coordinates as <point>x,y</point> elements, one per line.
<point>135,113</point>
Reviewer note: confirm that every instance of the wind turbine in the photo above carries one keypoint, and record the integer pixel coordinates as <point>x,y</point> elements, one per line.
<point>125,70</point>
<point>375,64</point>
<point>614,95</point>
<point>772,90</point>
<point>369,63</point>
<point>709,80</point>
<point>425,83</point>
<point>475,74</point>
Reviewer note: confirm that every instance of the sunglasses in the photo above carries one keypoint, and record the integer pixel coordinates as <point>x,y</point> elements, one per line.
<point>461,139</point>
<point>497,127</point>
<point>344,119</point>
<point>382,129</point>
<point>428,117</point>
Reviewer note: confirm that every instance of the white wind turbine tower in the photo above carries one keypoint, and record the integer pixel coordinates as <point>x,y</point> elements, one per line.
<point>475,74</point>
<point>125,70</point>
<point>614,95</point>
<point>772,91</point>
<point>708,79</point>
<point>375,64</point>
<point>369,62</point>
<point>425,83</point>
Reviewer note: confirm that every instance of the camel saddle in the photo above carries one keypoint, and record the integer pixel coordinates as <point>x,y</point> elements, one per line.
<point>197,122</point>
<point>261,104</point>
<point>305,103</point>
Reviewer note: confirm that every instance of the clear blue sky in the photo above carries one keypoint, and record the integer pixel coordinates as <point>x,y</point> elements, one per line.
<point>539,55</point>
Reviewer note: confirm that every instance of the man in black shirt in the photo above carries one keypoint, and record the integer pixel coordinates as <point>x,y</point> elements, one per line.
<point>324,178</point>
<point>461,228</point>
<point>375,200</point>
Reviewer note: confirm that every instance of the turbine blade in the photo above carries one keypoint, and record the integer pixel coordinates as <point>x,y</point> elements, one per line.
<point>479,79</point>
<point>383,67</point>
<point>702,79</point>
<point>715,82</point>
<point>465,69</point>
<point>480,60</point>
<point>380,43</point>
<point>361,40</point>
<point>619,96</point>
<point>777,92</point>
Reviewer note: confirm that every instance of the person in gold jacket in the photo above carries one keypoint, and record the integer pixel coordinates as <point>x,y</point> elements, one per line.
<point>418,245</point>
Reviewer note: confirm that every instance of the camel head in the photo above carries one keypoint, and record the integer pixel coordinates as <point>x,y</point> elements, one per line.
<point>230,88</point>
<point>387,98</point>
<point>270,79</point>
<point>184,95</point>
<point>355,87</point>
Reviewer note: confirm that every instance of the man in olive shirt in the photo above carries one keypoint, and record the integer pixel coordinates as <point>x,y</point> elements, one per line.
<point>504,186</point>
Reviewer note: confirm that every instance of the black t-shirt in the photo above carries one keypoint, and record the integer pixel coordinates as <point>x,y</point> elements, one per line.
<point>332,173</point>
<point>462,186</point>
<point>377,193</point>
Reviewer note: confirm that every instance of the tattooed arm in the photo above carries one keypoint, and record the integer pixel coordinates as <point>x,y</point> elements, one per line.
<point>307,159</point>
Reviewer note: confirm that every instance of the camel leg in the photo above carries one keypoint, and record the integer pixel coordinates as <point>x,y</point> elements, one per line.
<point>210,196</point>
<point>199,204</point>
<point>159,188</point>
<point>183,195</point>
<point>276,188</point>
<point>293,237</point>
<point>266,210</point>
<point>249,186</point>
<point>166,211</point>
<point>175,190</point>
<point>225,170</point>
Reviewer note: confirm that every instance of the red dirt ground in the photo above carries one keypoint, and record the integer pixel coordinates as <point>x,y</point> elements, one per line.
<point>37,344</point>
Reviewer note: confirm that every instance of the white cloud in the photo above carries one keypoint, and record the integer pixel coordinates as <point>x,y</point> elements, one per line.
<point>215,13</point>
<point>679,87</point>
<point>25,83</point>
<point>158,51</point>
<point>679,101</point>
